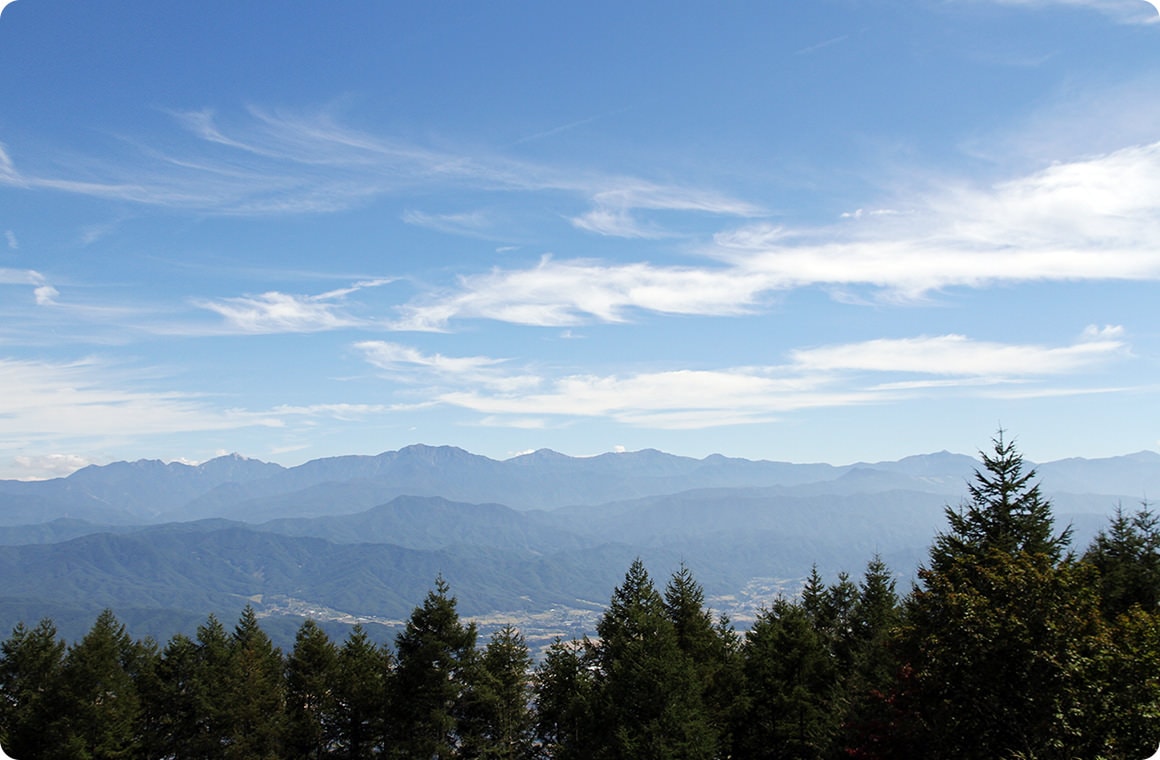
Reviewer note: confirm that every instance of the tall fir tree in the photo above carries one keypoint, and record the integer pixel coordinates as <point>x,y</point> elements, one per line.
<point>648,700</point>
<point>254,694</point>
<point>789,686</point>
<point>874,660</point>
<point>565,689</point>
<point>712,648</point>
<point>312,721</point>
<point>435,652</point>
<point>1002,631</point>
<point>364,670</point>
<point>31,660</point>
<point>1127,557</point>
<point>499,723</point>
<point>99,712</point>
<point>1007,513</point>
<point>177,703</point>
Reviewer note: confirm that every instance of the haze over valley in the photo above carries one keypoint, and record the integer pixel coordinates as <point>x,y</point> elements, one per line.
<point>536,540</point>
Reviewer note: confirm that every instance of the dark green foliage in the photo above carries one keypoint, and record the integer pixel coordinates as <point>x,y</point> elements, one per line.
<point>1006,513</point>
<point>1000,652</point>
<point>312,718</point>
<point>713,649</point>
<point>435,653</point>
<point>253,697</point>
<point>1002,631</point>
<point>789,682</point>
<point>564,695</point>
<point>1124,691</point>
<point>499,721</point>
<point>648,700</point>
<point>1008,647</point>
<point>360,692</point>
<point>98,711</point>
<point>873,665</point>
<point>1127,556</point>
<point>29,678</point>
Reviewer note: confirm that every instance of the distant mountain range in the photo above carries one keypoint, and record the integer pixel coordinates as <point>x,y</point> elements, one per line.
<point>540,538</point>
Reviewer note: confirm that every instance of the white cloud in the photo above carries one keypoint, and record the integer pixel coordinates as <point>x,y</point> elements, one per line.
<point>393,356</point>
<point>48,466</point>
<point>411,365</point>
<point>10,237</point>
<point>569,293</point>
<point>471,223</point>
<point>87,399</point>
<point>612,212</point>
<point>275,312</point>
<point>345,412</point>
<point>961,356</point>
<point>45,295</point>
<point>20,277</point>
<point>875,371</point>
<point>1093,219</point>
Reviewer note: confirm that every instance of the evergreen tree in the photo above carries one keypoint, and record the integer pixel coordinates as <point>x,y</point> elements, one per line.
<point>564,696</point>
<point>648,696</point>
<point>311,707</point>
<point>360,694</point>
<point>99,711</point>
<point>1006,513</point>
<point>1002,630</point>
<point>30,666</point>
<point>499,721</point>
<point>789,684</point>
<point>712,647</point>
<point>874,665</point>
<point>254,694</point>
<point>1124,698</point>
<point>1127,556</point>
<point>434,652</point>
<point>176,703</point>
<point>212,690</point>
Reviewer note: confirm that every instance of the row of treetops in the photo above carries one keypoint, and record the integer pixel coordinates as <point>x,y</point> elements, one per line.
<point>1009,645</point>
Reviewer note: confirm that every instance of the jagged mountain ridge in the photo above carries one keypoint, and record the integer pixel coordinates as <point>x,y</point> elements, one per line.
<point>254,491</point>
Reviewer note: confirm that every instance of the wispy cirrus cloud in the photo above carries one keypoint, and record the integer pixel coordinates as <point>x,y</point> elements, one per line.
<point>1095,219</point>
<point>469,223</point>
<point>275,312</point>
<point>869,372</point>
<point>958,355</point>
<point>277,162</point>
<point>567,293</point>
<point>46,400</point>
<point>409,364</point>
<point>613,210</point>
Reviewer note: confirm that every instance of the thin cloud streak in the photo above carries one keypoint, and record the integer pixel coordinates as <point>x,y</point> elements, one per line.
<point>277,163</point>
<point>827,376</point>
<point>275,312</point>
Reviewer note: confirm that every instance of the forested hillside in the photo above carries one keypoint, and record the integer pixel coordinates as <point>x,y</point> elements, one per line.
<point>359,538</point>
<point>1013,643</point>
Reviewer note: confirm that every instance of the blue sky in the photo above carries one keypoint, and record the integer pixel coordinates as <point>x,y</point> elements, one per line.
<point>835,230</point>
